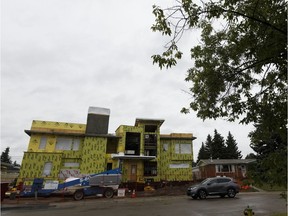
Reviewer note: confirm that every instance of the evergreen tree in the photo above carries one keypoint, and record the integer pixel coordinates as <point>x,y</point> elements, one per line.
<point>5,156</point>
<point>193,163</point>
<point>16,164</point>
<point>218,146</point>
<point>231,151</point>
<point>208,147</point>
<point>269,141</point>
<point>271,164</point>
<point>251,156</point>
<point>202,154</point>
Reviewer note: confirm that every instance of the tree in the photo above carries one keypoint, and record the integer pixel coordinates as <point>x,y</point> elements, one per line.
<point>231,151</point>
<point>218,147</point>
<point>202,154</point>
<point>250,156</point>
<point>208,147</point>
<point>240,67</point>
<point>5,156</point>
<point>241,62</point>
<point>15,163</point>
<point>270,144</point>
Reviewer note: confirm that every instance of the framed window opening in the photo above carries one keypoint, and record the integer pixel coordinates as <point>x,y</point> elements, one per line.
<point>221,168</point>
<point>68,143</point>
<point>150,168</point>
<point>112,145</point>
<point>183,148</point>
<point>132,143</point>
<point>43,142</point>
<point>47,169</point>
<point>151,128</point>
<point>165,147</point>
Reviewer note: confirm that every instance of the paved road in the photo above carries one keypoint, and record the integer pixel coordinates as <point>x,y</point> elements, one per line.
<point>264,204</point>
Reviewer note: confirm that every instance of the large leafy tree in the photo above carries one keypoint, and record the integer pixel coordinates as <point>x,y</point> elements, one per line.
<point>240,67</point>
<point>241,61</point>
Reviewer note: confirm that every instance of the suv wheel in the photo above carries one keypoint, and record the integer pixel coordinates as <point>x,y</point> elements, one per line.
<point>202,194</point>
<point>231,193</point>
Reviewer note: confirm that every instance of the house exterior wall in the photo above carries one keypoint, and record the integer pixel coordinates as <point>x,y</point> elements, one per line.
<point>237,171</point>
<point>127,164</point>
<point>175,166</point>
<point>121,143</point>
<point>123,130</point>
<point>93,155</point>
<point>9,172</point>
<point>207,171</point>
<point>33,164</point>
<point>65,150</point>
<point>8,177</point>
<point>38,154</point>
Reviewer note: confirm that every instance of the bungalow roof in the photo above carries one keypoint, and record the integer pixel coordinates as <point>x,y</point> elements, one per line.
<point>224,161</point>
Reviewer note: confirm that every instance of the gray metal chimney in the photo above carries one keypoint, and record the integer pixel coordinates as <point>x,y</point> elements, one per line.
<point>97,121</point>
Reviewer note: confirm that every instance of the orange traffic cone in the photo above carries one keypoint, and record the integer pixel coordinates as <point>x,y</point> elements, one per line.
<point>133,195</point>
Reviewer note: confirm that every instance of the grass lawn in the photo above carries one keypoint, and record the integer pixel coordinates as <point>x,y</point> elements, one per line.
<point>267,187</point>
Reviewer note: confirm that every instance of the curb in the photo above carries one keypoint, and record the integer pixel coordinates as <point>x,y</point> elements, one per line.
<point>27,206</point>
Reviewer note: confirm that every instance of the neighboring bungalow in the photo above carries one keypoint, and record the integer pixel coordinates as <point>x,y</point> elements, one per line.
<point>9,172</point>
<point>234,168</point>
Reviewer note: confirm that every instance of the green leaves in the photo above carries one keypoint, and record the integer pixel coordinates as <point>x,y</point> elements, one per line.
<point>271,166</point>
<point>168,58</point>
<point>240,67</point>
<point>242,55</point>
<point>161,24</point>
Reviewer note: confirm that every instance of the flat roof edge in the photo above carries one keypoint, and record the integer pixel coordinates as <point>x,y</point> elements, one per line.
<point>99,111</point>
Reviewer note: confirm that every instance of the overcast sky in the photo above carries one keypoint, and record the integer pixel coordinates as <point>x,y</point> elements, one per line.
<point>58,57</point>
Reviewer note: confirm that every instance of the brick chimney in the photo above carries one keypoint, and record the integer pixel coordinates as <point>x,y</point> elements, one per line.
<point>97,121</point>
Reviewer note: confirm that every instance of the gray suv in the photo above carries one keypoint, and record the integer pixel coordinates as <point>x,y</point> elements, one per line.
<point>217,186</point>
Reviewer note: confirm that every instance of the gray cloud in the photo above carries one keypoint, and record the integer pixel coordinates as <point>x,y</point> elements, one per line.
<point>60,57</point>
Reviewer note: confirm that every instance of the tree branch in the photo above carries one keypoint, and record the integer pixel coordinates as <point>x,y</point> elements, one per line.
<point>252,18</point>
